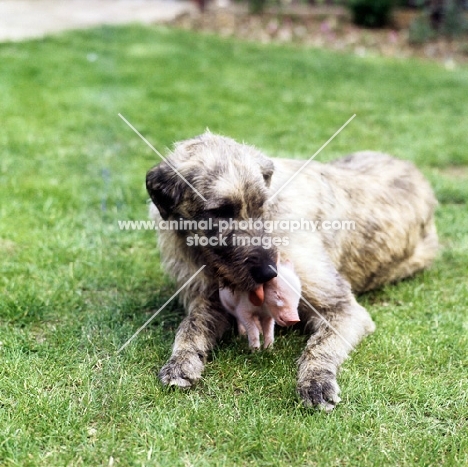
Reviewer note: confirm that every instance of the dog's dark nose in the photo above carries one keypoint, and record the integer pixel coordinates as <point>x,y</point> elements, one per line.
<point>263,273</point>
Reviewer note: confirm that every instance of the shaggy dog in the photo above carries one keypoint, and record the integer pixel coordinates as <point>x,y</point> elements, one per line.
<point>210,180</point>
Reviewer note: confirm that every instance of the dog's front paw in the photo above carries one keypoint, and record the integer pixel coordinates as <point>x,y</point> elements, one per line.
<point>183,369</point>
<point>319,389</point>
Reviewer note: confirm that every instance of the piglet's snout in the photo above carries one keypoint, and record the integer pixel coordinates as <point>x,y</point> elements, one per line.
<point>288,319</point>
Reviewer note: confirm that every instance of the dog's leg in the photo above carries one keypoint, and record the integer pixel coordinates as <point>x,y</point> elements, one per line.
<point>195,338</point>
<point>337,328</point>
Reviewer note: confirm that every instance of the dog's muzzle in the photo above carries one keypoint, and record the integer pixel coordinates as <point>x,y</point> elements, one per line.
<point>262,265</point>
<point>263,273</point>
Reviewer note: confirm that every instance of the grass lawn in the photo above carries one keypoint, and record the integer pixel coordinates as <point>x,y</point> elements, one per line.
<point>74,287</point>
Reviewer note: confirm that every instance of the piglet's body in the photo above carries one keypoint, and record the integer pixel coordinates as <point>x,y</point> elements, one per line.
<point>281,300</point>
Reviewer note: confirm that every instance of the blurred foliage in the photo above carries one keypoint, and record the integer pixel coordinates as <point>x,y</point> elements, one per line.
<point>439,18</point>
<point>371,13</point>
<point>420,30</point>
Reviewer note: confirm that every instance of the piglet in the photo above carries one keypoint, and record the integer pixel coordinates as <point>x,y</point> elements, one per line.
<point>279,302</point>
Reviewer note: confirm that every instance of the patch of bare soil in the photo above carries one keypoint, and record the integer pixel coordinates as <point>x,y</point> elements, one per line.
<point>328,28</point>
<point>458,172</point>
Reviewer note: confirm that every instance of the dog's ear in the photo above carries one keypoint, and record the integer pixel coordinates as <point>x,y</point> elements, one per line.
<point>267,168</point>
<point>163,186</point>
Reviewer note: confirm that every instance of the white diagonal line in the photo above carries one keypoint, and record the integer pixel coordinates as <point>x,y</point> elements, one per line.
<point>313,308</point>
<point>155,314</point>
<point>162,157</point>
<point>310,160</point>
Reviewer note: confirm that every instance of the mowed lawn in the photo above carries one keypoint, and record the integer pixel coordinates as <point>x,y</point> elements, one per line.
<point>74,287</point>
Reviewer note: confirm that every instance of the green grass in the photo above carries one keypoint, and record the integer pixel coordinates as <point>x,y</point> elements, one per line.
<point>74,288</point>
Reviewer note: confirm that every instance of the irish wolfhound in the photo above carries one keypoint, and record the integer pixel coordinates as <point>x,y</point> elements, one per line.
<point>213,178</point>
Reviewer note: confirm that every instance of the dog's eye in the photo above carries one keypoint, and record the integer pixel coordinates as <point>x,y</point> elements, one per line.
<point>267,178</point>
<point>225,211</point>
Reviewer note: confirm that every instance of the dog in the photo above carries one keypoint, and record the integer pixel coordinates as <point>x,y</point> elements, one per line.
<point>213,179</point>
<point>280,304</point>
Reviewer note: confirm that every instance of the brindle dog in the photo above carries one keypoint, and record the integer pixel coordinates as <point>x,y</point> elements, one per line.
<point>388,200</point>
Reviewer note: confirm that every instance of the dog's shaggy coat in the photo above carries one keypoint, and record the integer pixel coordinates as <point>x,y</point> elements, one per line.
<point>390,202</point>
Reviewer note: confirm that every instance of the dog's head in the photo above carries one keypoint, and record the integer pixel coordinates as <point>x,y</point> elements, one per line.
<point>215,182</point>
